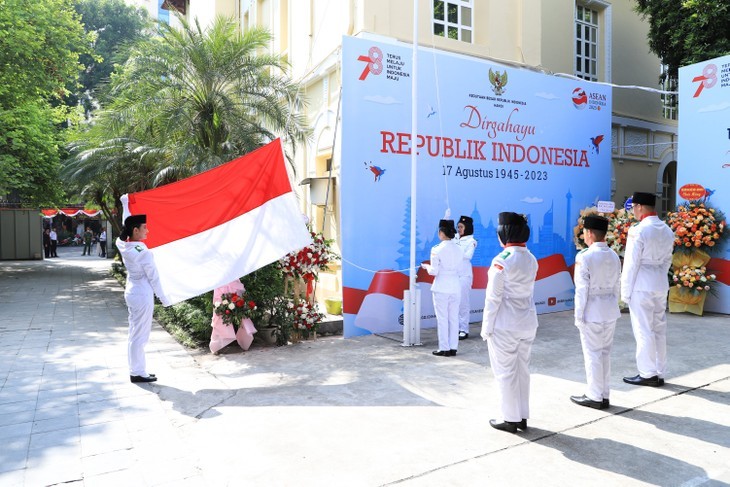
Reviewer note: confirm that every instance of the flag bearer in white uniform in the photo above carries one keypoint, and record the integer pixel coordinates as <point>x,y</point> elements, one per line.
<point>468,245</point>
<point>143,283</point>
<point>446,259</point>
<point>644,287</point>
<point>597,287</point>
<point>510,320</point>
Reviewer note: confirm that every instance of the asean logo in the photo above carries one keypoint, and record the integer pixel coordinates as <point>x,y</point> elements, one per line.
<point>580,99</point>
<point>374,61</point>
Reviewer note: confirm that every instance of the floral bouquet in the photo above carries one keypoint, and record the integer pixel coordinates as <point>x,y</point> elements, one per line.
<point>307,262</point>
<point>306,315</point>
<point>696,226</point>
<point>233,308</point>
<point>619,222</point>
<point>694,280</point>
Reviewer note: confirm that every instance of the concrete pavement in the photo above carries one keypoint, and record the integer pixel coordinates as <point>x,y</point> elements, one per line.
<point>362,411</point>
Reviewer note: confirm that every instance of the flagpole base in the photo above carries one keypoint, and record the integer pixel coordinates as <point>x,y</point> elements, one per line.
<point>412,319</point>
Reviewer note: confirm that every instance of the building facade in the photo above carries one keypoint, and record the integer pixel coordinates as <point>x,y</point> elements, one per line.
<point>596,40</point>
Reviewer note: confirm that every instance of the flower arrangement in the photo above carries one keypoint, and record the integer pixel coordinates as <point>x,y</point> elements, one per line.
<point>696,225</point>
<point>232,308</point>
<point>694,280</point>
<point>619,222</point>
<point>306,316</point>
<point>307,262</point>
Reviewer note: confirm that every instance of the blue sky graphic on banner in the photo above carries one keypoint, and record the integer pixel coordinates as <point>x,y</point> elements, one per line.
<point>704,154</point>
<point>490,138</point>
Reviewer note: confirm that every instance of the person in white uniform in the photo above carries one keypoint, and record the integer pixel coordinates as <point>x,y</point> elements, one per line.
<point>446,259</point>
<point>143,283</point>
<point>468,245</point>
<point>510,320</point>
<point>644,287</point>
<point>597,286</point>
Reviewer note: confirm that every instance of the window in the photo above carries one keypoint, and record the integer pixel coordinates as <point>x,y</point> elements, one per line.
<point>453,19</point>
<point>669,102</point>
<point>586,43</point>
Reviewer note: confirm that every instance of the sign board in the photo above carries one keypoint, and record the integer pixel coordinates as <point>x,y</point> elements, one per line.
<point>703,165</point>
<point>491,138</point>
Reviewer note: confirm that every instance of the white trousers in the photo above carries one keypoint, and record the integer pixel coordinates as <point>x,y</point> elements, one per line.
<point>649,322</point>
<point>141,308</point>
<point>464,304</point>
<point>597,340</point>
<point>446,307</point>
<point>509,355</point>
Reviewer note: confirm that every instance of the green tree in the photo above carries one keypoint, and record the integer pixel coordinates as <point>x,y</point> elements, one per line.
<point>185,101</point>
<point>40,44</point>
<point>206,96</point>
<point>683,32</point>
<point>116,27</point>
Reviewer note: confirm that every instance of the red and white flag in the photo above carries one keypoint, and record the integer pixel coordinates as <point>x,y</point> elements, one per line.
<point>212,228</point>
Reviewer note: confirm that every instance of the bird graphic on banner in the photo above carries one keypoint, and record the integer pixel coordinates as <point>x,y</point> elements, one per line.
<point>595,141</point>
<point>377,172</point>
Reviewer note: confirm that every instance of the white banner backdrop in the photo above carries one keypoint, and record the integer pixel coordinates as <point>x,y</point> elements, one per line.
<point>703,168</point>
<point>490,138</point>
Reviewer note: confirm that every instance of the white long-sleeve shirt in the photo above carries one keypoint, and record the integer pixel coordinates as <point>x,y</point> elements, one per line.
<point>468,245</point>
<point>142,276</point>
<point>509,302</point>
<point>446,259</point>
<point>648,256</point>
<point>597,284</point>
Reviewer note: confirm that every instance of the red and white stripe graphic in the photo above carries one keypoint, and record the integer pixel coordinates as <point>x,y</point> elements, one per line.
<point>217,226</point>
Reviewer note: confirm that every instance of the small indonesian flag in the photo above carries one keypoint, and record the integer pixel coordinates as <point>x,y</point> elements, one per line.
<point>210,229</point>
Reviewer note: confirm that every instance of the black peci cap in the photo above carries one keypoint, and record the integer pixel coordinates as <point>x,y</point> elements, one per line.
<point>648,199</point>
<point>595,222</point>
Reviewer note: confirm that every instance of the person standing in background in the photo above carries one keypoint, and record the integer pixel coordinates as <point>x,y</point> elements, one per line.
<point>644,287</point>
<point>468,245</point>
<point>102,243</point>
<point>54,242</point>
<point>597,287</point>
<point>47,243</point>
<point>87,238</point>
<point>446,259</point>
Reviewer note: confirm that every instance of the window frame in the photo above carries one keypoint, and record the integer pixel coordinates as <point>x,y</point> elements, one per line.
<point>581,26</point>
<point>446,24</point>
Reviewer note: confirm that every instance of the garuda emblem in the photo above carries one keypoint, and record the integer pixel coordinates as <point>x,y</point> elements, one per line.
<point>499,81</point>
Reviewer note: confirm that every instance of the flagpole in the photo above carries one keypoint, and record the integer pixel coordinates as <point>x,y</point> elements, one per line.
<point>412,315</point>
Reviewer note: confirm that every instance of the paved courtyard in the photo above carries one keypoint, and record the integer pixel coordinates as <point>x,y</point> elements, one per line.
<point>356,412</point>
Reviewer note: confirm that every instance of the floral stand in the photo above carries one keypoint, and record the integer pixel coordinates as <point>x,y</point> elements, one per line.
<point>688,294</point>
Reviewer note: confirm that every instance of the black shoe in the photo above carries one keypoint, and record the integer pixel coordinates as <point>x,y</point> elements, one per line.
<point>451,353</point>
<point>139,378</point>
<point>638,380</point>
<point>441,353</point>
<point>584,401</point>
<point>463,335</point>
<point>605,404</point>
<point>507,426</point>
<point>522,425</point>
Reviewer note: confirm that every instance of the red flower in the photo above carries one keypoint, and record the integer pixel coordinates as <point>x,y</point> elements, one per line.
<point>239,303</point>
<point>251,304</point>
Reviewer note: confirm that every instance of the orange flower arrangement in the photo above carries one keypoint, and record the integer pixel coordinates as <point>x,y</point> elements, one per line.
<point>692,279</point>
<point>696,226</point>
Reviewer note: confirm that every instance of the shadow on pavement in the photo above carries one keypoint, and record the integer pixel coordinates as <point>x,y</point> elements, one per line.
<point>628,460</point>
